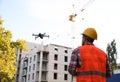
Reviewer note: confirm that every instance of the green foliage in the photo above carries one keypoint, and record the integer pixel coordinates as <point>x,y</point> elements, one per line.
<point>112,54</point>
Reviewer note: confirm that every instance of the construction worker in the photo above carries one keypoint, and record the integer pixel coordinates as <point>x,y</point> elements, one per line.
<point>89,63</point>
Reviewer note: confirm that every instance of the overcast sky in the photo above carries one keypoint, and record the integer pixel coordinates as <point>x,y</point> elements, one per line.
<point>25,17</point>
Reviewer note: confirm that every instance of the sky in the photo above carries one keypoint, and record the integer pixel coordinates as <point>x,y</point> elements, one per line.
<point>25,17</point>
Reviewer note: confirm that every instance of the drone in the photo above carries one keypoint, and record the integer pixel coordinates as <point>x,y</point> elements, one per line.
<point>40,35</point>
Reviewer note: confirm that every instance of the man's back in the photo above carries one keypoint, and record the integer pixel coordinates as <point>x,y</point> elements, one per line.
<point>93,64</point>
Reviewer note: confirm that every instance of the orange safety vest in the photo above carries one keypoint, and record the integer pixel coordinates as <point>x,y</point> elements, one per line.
<point>93,67</point>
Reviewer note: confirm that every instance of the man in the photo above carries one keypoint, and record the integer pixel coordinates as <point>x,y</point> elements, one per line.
<point>89,63</point>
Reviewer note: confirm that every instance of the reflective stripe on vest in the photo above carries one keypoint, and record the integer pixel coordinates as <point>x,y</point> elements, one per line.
<point>91,73</point>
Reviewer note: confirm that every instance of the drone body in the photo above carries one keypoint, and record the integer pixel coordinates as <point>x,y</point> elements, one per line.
<point>40,35</point>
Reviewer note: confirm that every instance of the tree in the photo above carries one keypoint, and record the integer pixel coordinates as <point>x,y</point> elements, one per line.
<point>112,54</point>
<point>8,54</point>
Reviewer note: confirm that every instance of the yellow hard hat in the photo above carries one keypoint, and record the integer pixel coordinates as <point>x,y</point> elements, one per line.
<point>90,32</point>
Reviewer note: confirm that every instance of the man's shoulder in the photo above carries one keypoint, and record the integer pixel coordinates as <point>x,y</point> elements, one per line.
<point>99,49</point>
<point>76,50</point>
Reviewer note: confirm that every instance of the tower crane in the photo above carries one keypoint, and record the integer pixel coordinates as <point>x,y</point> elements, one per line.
<point>74,14</point>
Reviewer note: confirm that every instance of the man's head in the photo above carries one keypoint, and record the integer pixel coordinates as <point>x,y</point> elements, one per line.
<point>89,35</point>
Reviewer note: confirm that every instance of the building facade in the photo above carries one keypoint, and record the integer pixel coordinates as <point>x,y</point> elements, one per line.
<point>43,63</point>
